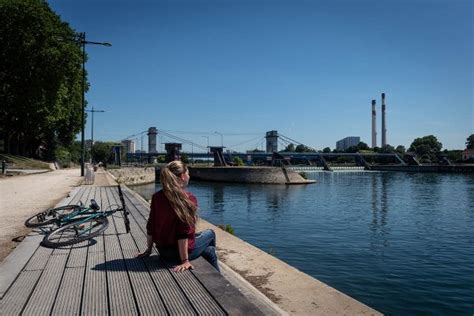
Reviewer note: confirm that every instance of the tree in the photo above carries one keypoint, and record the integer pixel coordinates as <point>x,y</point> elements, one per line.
<point>238,161</point>
<point>103,151</point>
<point>400,149</point>
<point>304,149</point>
<point>427,147</point>
<point>362,146</point>
<point>40,79</point>
<point>289,148</point>
<point>470,142</point>
<point>327,150</point>
<point>387,149</point>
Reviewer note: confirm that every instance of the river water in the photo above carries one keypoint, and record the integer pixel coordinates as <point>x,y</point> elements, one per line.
<point>402,243</point>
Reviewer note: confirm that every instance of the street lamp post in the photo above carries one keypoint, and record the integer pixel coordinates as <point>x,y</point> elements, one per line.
<point>92,129</point>
<point>83,42</point>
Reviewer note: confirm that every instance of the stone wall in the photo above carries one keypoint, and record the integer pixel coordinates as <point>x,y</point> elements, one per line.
<point>133,176</point>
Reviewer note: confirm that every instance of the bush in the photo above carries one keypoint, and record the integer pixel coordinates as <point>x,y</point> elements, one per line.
<point>238,161</point>
<point>63,157</point>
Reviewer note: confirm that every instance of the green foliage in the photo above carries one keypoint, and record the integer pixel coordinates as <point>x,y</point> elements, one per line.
<point>40,79</point>
<point>161,159</point>
<point>387,149</point>
<point>426,148</point>
<point>185,158</point>
<point>355,149</point>
<point>63,157</point>
<point>238,161</point>
<point>102,152</point>
<point>400,149</point>
<point>304,149</point>
<point>327,150</point>
<point>289,148</point>
<point>470,142</point>
<point>228,228</point>
<point>453,155</point>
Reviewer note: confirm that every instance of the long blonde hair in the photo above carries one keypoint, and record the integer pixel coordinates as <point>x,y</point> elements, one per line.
<point>170,177</point>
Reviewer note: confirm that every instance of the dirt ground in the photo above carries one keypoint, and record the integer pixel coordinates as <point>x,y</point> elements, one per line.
<point>23,196</point>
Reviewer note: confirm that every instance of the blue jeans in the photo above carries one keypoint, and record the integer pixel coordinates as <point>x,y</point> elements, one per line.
<point>205,246</point>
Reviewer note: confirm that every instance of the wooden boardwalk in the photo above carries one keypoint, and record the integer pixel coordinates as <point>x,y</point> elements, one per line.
<point>103,277</point>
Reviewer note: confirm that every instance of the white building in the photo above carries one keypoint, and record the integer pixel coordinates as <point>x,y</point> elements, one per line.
<point>347,142</point>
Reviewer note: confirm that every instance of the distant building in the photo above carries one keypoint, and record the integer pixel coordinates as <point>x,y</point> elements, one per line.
<point>347,142</point>
<point>468,154</point>
<point>128,146</point>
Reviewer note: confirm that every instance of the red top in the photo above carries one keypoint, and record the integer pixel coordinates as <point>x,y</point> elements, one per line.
<point>165,226</point>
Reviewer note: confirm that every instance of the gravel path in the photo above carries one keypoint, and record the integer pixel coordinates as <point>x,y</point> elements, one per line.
<point>23,196</point>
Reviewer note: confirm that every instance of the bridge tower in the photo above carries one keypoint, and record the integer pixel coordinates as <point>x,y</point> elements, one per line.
<point>272,141</point>
<point>152,140</point>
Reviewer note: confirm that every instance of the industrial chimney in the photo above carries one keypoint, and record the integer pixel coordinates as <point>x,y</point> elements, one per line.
<point>384,129</point>
<point>374,126</point>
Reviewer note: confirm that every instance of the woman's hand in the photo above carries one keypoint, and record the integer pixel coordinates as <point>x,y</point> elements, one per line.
<point>144,254</point>
<point>183,266</point>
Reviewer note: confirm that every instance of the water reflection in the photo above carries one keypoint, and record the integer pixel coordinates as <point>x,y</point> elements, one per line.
<point>218,199</point>
<point>380,206</point>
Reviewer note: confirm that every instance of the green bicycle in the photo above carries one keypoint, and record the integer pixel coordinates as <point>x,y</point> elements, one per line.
<point>77,223</point>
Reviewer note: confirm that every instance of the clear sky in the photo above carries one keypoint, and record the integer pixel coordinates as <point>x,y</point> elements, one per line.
<point>308,69</point>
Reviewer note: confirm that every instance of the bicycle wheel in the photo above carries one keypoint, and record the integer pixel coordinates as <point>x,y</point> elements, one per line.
<point>75,232</point>
<point>49,216</point>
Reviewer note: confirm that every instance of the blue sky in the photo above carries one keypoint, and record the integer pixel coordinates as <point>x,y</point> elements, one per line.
<point>308,69</point>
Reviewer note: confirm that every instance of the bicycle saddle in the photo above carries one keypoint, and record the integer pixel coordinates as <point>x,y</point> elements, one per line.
<point>94,205</point>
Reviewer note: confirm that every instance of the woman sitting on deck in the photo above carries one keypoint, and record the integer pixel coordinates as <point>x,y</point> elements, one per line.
<point>172,222</point>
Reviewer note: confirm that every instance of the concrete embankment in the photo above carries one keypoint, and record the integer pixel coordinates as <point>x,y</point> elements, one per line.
<point>262,175</point>
<point>133,176</point>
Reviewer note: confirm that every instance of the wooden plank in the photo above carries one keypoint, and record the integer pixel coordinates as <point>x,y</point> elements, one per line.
<point>229,297</point>
<point>148,298</point>
<point>94,297</point>
<point>173,297</point>
<point>42,298</point>
<point>199,297</point>
<point>18,294</point>
<point>68,300</point>
<point>78,255</point>
<point>121,296</point>
<point>39,259</point>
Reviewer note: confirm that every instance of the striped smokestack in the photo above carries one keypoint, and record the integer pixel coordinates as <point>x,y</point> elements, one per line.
<point>384,129</point>
<point>374,126</point>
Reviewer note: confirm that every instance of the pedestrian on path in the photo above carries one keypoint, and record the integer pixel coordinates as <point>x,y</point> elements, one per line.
<point>172,222</point>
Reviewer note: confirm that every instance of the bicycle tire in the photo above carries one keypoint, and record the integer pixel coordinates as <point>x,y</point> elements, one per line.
<point>49,216</point>
<point>75,232</point>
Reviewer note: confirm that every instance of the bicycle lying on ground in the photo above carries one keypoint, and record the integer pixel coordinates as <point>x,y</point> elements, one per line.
<point>76,223</point>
